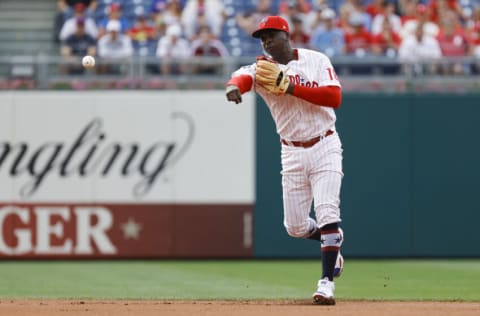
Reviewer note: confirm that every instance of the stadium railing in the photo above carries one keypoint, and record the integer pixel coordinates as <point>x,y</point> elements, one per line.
<point>356,74</point>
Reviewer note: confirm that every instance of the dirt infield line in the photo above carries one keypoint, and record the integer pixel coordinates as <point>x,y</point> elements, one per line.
<point>232,308</point>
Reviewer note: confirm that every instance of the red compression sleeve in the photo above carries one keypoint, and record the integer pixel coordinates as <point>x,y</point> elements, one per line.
<point>243,82</point>
<point>330,96</point>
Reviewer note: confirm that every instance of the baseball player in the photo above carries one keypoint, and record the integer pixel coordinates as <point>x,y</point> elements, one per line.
<point>301,89</point>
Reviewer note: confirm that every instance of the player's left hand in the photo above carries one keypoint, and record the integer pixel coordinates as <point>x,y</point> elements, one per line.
<point>271,77</point>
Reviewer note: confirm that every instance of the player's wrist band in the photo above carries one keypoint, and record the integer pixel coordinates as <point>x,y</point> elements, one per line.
<point>231,88</point>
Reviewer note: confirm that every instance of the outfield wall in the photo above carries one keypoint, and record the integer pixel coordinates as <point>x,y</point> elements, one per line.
<point>411,185</point>
<point>125,174</point>
<point>184,174</point>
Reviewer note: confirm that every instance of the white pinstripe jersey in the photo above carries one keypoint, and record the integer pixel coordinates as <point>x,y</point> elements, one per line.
<point>295,118</point>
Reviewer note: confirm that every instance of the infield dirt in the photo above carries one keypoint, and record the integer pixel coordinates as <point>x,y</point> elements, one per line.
<point>233,308</point>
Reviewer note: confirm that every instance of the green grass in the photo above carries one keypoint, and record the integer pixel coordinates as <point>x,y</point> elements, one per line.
<point>227,280</point>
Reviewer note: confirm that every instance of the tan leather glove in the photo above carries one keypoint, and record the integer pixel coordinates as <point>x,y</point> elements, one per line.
<point>271,77</point>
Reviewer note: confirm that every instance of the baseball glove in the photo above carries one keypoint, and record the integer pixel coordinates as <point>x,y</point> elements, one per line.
<point>271,77</point>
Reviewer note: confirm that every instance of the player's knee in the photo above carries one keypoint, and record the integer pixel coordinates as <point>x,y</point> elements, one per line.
<point>327,214</point>
<point>298,231</point>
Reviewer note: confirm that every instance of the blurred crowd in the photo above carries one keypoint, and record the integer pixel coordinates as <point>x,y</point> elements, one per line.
<point>172,30</point>
<point>410,31</point>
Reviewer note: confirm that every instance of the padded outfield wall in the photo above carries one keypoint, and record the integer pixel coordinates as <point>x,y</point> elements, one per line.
<point>412,178</point>
<point>184,174</point>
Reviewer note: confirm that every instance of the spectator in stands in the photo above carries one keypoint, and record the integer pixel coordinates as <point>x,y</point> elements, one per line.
<point>475,47</point>
<point>143,35</point>
<point>298,37</point>
<point>248,21</point>
<point>356,6</point>
<point>70,26</point>
<point>407,10</point>
<point>173,51</point>
<point>91,5</point>
<point>327,38</point>
<point>291,9</point>
<point>344,15</point>
<point>321,4</point>
<point>77,45</point>
<point>358,39</point>
<point>317,15</point>
<point>172,14</point>
<point>475,41</point>
<point>297,9</point>
<point>472,22</point>
<point>142,30</point>
<point>438,7</point>
<point>387,41</point>
<point>409,28</point>
<point>114,13</point>
<point>375,7</point>
<point>303,6</point>
<point>402,5</point>
<point>158,7</point>
<point>419,52</point>
<point>453,43</point>
<point>203,12</point>
<point>65,11</point>
<point>207,45</point>
<point>161,28</point>
<point>113,48</point>
<point>476,14</point>
<point>387,12</point>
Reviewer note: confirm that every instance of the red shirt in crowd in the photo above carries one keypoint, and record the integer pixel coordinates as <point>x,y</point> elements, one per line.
<point>381,40</point>
<point>455,44</point>
<point>475,35</point>
<point>142,32</point>
<point>300,39</point>
<point>433,5</point>
<point>360,38</point>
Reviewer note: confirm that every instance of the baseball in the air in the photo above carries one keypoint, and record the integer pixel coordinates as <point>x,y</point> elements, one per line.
<point>88,61</point>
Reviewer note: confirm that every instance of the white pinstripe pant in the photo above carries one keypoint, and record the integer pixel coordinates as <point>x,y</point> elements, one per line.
<point>311,173</point>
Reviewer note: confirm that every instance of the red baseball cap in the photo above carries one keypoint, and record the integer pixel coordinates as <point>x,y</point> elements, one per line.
<point>272,22</point>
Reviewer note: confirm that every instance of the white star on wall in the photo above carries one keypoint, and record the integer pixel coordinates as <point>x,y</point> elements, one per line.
<point>131,229</point>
